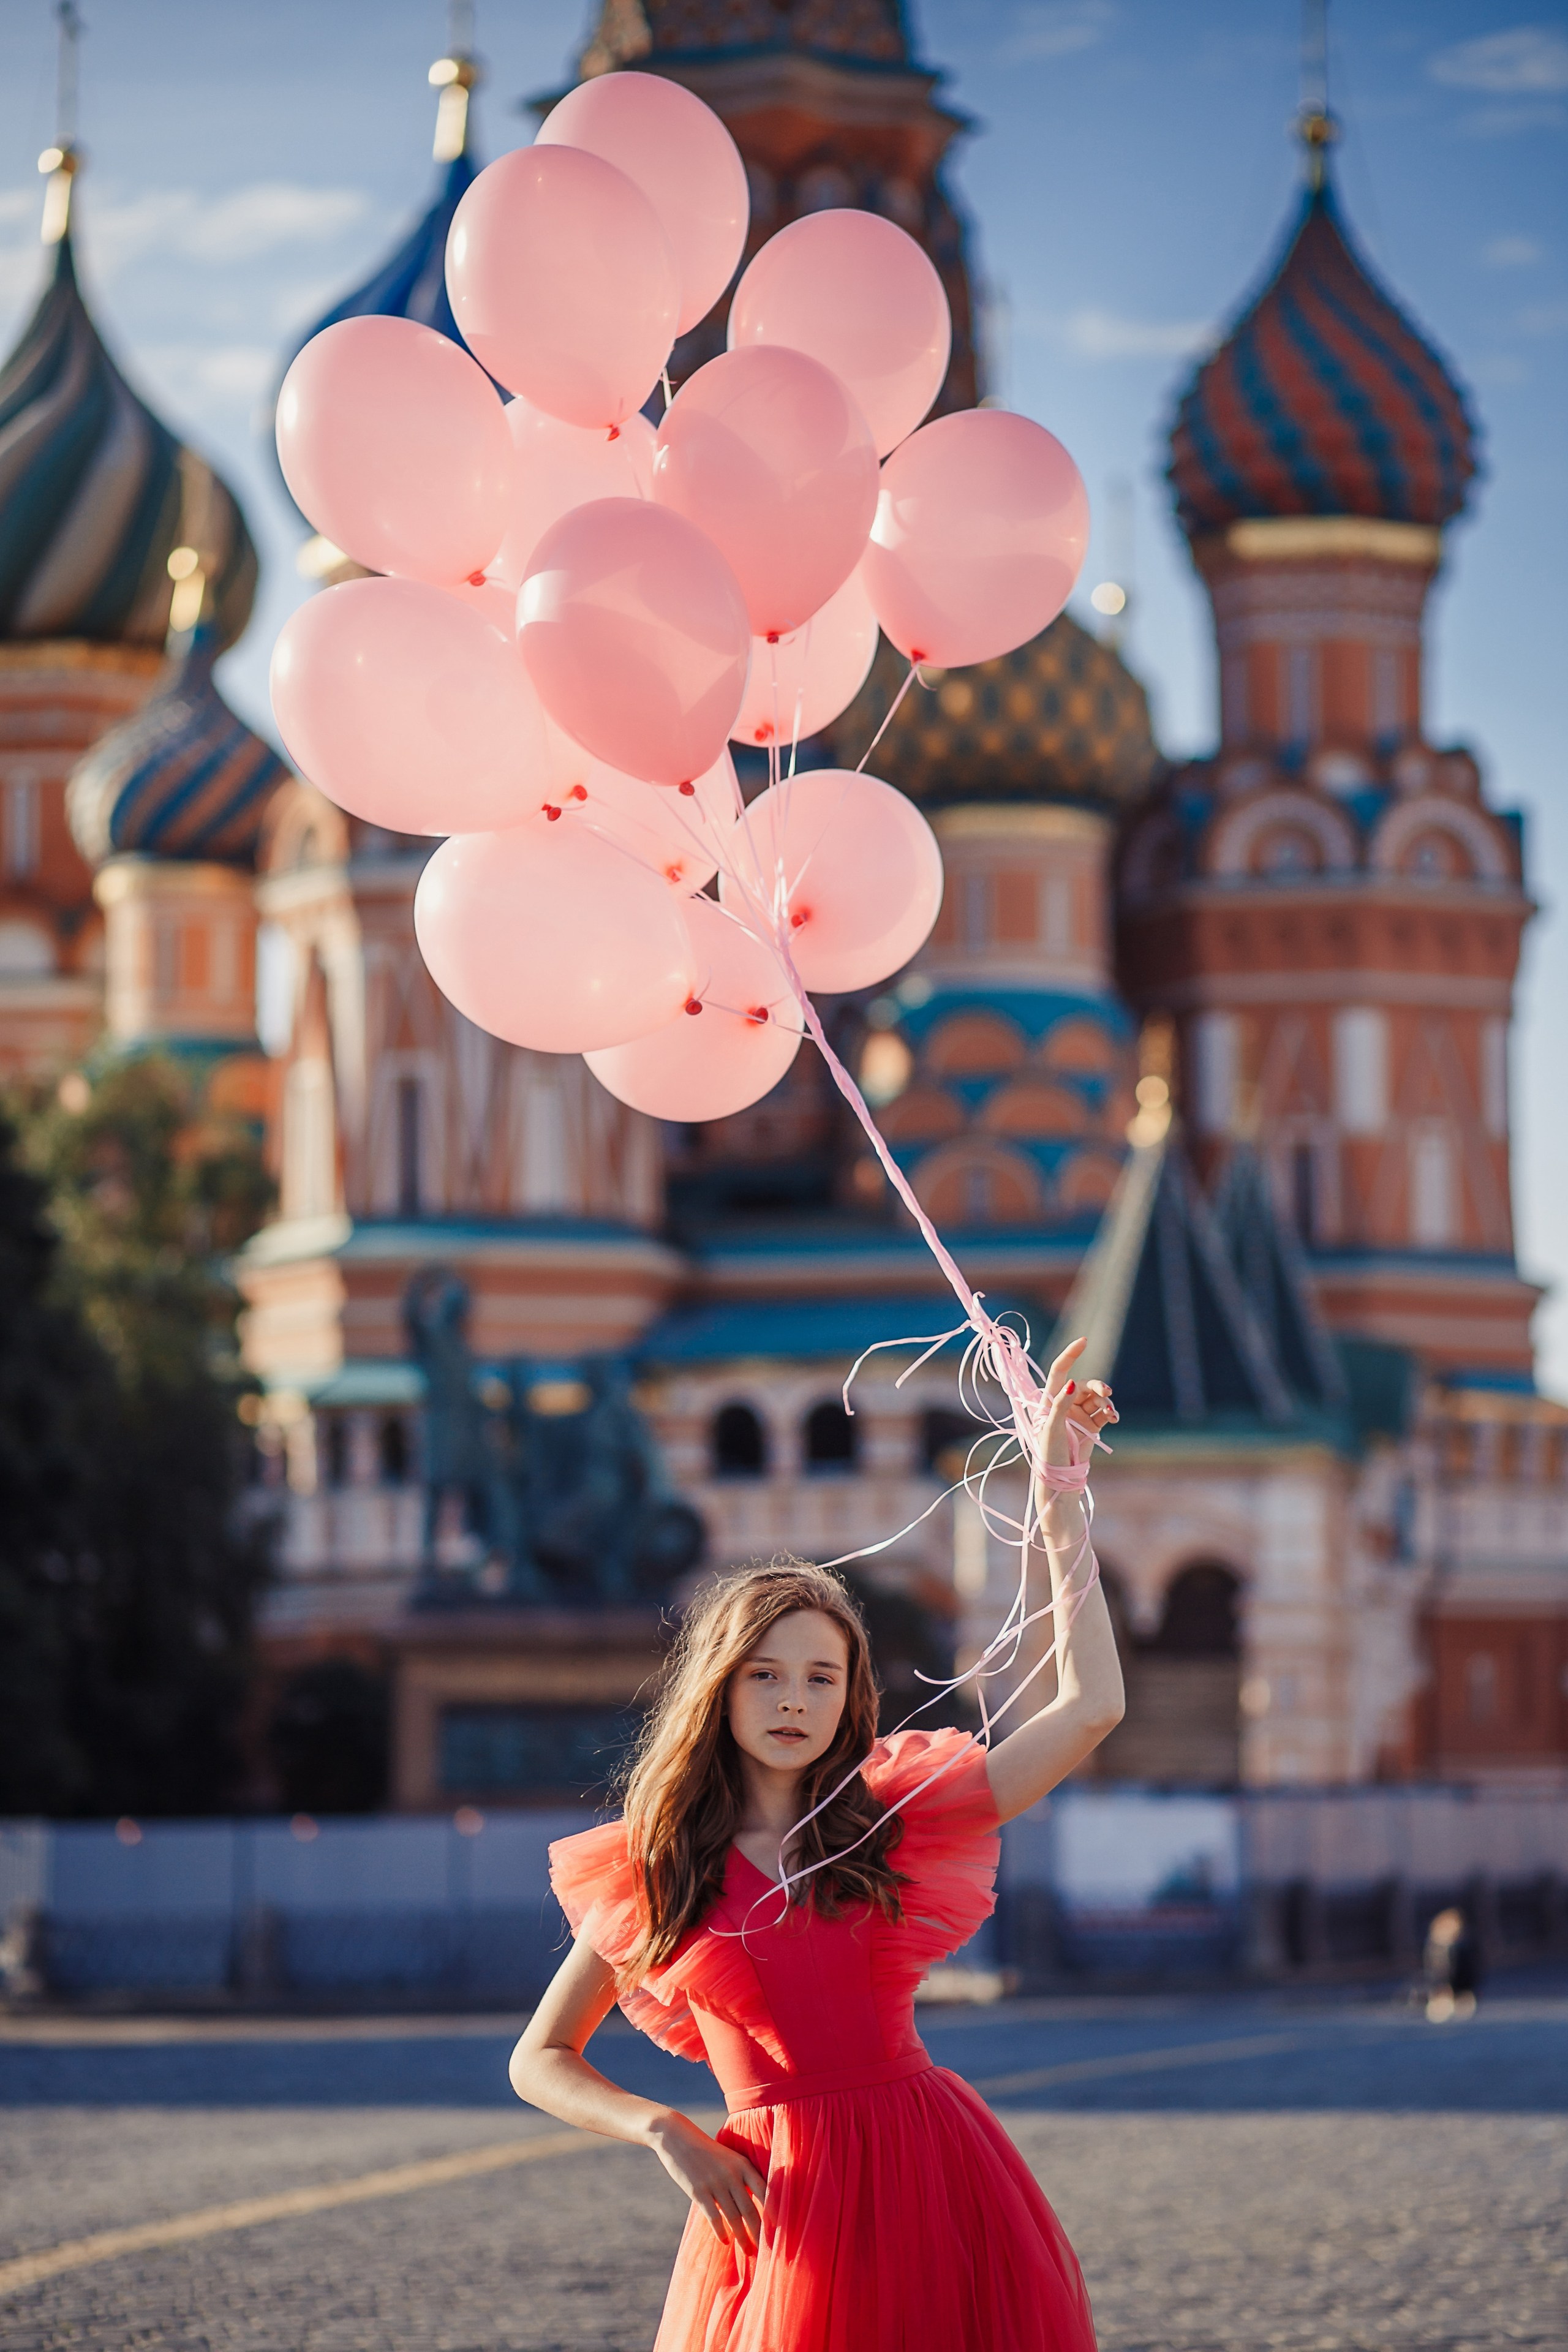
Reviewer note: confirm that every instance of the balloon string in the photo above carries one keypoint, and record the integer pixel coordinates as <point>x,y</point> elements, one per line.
<point>892,707</point>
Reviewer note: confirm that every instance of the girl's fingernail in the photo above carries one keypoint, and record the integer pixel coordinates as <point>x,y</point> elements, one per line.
<point>1071,1386</point>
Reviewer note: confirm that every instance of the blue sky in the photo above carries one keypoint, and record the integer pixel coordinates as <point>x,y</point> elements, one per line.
<point>1128,178</point>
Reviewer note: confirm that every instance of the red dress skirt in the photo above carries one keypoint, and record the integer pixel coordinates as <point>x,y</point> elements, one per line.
<point>900,2218</point>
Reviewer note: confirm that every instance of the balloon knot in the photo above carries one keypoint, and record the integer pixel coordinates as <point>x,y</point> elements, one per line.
<point>773,636</point>
<point>916,656</point>
<point>688,788</point>
<point>579,793</point>
<point>761,734</point>
<point>760,1014</point>
<point>796,921</point>
<point>476,579</point>
<point>674,872</point>
<point>693,1004</point>
<point>551,812</point>
<point>614,434</point>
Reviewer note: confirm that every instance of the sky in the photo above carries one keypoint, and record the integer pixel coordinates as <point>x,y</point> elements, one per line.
<point>1127,173</point>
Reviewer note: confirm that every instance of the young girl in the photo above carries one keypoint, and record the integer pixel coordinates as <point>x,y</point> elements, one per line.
<point>858,2198</point>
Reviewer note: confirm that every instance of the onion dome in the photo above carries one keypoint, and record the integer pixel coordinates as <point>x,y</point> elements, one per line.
<point>183,778</point>
<point>1061,718</point>
<point>96,493</point>
<point>1324,399</point>
<point>857,31</point>
<point>411,283</point>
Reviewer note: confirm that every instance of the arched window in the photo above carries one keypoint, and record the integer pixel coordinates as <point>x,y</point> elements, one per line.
<point>830,1435</point>
<point>392,1451</point>
<point>740,1443</point>
<point>1200,1618</point>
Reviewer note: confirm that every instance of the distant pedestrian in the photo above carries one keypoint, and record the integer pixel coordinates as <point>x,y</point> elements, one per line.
<point>1453,1968</point>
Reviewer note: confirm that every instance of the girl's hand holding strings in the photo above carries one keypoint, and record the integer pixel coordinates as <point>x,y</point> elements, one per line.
<point>725,2187</point>
<point>1073,1416</point>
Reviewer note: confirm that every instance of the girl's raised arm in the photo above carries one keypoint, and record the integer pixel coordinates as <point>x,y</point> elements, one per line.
<point>1090,1700</point>
<point>548,2069</point>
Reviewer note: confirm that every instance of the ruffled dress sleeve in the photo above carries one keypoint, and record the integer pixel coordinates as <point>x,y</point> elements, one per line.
<point>596,1887</point>
<point>949,1852</point>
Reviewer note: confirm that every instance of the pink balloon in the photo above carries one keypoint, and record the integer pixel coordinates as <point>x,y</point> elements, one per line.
<point>392,441</point>
<point>861,297</point>
<point>766,451</point>
<point>558,467</point>
<point>812,675</point>
<point>564,284</point>
<point>548,938</point>
<point>861,869</point>
<point>980,533</point>
<point>730,1054</point>
<point>634,632</point>
<point>405,706</point>
<point>683,160</point>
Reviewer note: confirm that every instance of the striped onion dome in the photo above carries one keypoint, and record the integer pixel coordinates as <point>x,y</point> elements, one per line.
<point>412,282</point>
<point>183,778</point>
<point>1323,399</point>
<point>96,493</point>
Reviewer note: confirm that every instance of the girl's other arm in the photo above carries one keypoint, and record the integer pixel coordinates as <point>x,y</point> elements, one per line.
<point>548,2069</point>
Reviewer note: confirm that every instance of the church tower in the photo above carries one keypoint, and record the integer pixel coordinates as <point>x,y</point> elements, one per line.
<point>1328,907</point>
<point>112,533</point>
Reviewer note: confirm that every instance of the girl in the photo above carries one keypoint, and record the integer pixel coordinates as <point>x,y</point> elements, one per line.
<point>858,2198</point>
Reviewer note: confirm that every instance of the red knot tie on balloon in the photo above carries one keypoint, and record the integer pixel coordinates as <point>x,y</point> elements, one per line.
<point>801,915</point>
<point>689,788</point>
<point>773,636</point>
<point>693,1004</point>
<point>578,792</point>
<point>476,579</point>
<point>551,812</point>
<point>614,434</point>
<point>760,1014</point>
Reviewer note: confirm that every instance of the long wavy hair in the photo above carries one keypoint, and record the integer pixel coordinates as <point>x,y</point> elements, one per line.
<point>684,1788</point>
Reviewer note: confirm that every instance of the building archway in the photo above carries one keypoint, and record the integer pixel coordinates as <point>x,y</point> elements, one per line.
<point>1183,1725</point>
<point>740,1443</point>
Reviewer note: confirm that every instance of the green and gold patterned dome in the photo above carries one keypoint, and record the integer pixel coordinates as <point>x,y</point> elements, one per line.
<point>1061,718</point>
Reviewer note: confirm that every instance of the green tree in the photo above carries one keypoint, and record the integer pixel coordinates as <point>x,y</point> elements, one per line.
<point>159,1576</point>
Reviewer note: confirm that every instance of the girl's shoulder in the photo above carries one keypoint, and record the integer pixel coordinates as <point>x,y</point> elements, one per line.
<point>939,1782</point>
<point>596,1884</point>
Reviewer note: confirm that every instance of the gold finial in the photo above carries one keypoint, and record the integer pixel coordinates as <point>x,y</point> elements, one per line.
<point>455,76</point>
<point>186,570</point>
<point>1315,126</point>
<point>62,161</point>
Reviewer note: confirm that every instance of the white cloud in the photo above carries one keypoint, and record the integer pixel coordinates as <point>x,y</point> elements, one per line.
<point>237,226</point>
<point>1527,61</point>
<point>216,375</point>
<point>1106,335</point>
<point>1058,28</point>
<point>1512,253</point>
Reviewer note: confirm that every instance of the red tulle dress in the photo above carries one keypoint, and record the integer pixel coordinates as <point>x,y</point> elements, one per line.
<point>900,2218</point>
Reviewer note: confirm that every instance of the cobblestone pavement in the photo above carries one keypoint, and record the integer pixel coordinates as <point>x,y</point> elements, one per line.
<point>1237,2174</point>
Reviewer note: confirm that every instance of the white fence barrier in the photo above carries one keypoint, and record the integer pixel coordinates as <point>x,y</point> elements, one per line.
<point>1118,1880</point>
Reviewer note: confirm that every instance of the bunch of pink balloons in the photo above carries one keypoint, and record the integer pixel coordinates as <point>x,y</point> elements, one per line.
<point>571,613</point>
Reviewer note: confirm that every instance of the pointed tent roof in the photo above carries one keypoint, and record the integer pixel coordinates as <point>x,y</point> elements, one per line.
<point>1268,1263</point>
<point>1168,1323</point>
<point>96,493</point>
